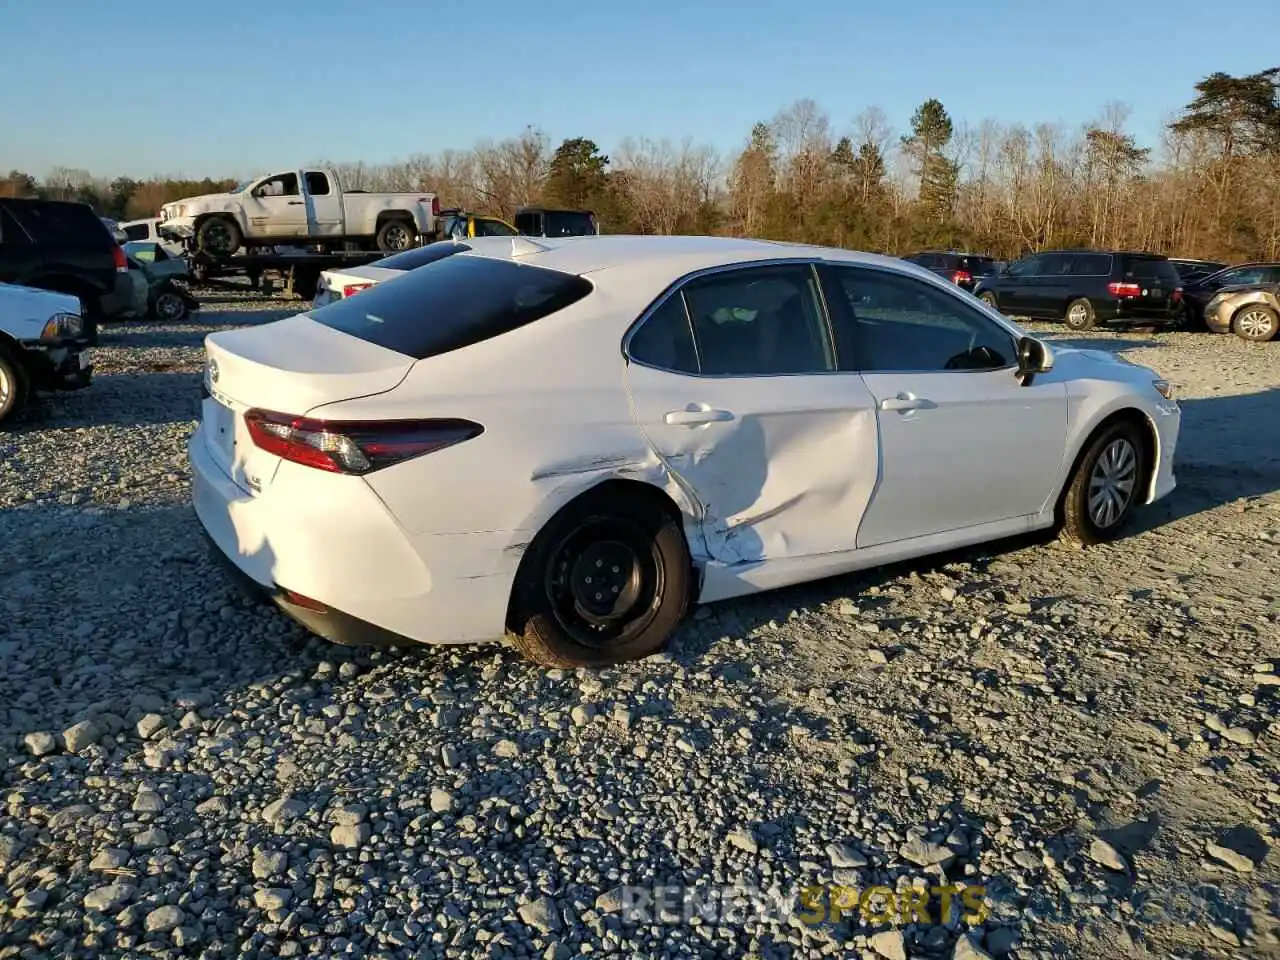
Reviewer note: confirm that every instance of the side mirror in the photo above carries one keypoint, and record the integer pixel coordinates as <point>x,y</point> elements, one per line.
<point>1033,357</point>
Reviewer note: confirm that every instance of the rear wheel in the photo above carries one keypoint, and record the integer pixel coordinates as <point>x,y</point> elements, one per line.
<point>607,581</point>
<point>1256,322</point>
<point>989,299</point>
<point>1080,315</point>
<point>14,387</point>
<point>1106,485</point>
<point>395,235</point>
<point>170,306</point>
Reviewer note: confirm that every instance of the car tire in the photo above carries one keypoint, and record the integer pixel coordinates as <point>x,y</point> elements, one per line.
<point>1080,315</point>
<point>14,386</point>
<point>641,553</point>
<point>989,298</point>
<point>1255,322</point>
<point>1114,460</point>
<point>395,235</point>
<point>170,307</point>
<point>218,237</point>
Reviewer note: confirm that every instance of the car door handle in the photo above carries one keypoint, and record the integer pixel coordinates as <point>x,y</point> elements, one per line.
<point>697,418</point>
<point>295,203</point>
<point>903,402</point>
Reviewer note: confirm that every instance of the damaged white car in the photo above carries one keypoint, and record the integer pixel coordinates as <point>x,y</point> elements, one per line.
<point>572,441</point>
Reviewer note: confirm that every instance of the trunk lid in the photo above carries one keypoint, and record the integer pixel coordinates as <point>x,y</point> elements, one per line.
<point>333,282</point>
<point>291,366</point>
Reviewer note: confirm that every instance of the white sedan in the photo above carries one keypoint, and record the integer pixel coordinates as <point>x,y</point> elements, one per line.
<point>341,282</point>
<point>572,441</point>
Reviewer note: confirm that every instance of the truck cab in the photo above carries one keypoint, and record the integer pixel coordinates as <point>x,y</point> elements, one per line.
<point>550,222</point>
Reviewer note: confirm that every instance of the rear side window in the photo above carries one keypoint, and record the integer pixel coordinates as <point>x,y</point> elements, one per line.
<point>138,231</point>
<point>451,304</point>
<point>1149,268</point>
<point>72,224</point>
<point>1090,265</point>
<point>421,256</point>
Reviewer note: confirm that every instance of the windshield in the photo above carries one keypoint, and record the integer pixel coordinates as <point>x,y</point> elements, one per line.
<point>242,187</point>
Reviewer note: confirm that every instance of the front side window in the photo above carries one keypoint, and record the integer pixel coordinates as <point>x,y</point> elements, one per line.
<point>492,228</point>
<point>1030,267</point>
<point>759,321</point>
<point>894,322</point>
<point>284,185</point>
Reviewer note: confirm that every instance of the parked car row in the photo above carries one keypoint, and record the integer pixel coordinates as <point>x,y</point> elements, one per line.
<point>1084,288</point>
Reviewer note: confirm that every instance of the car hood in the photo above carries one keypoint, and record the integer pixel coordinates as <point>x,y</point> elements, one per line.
<point>29,302</point>
<point>1243,287</point>
<point>203,198</point>
<point>1082,362</point>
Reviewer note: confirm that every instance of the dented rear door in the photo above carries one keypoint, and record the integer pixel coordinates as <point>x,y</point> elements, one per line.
<point>782,466</point>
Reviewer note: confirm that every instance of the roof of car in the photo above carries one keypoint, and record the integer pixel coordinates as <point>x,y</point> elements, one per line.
<point>581,255</point>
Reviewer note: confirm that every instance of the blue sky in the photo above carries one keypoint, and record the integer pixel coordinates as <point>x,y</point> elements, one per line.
<point>231,88</point>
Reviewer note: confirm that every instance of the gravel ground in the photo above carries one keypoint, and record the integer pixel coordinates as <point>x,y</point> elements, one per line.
<point>1090,736</point>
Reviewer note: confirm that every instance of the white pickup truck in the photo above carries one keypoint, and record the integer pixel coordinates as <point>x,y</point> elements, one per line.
<point>307,206</point>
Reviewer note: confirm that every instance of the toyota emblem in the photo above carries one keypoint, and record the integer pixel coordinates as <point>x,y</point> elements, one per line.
<point>213,371</point>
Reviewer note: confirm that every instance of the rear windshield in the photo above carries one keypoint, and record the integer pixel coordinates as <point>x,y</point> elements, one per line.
<point>421,256</point>
<point>452,303</point>
<point>979,266</point>
<point>1149,268</point>
<point>60,222</point>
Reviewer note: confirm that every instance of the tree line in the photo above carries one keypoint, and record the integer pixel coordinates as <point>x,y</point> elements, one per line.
<point>1211,190</point>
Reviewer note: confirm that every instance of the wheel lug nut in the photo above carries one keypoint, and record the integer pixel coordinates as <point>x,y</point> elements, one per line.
<point>599,596</point>
<point>615,570</point>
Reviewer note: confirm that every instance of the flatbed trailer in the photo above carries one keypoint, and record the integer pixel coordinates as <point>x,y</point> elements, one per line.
<point>297,273</point>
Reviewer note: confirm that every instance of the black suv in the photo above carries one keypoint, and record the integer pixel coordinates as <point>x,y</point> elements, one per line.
<point>61,246</point>
<point>1087,287</point>
<point>962,269</point>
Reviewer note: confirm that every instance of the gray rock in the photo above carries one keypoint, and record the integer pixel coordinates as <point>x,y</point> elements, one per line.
<point>1236,861</point>
<point>150,839</point>
<point>33,902</point>
<point>1105,854</point>
<point>109,858</point>
<point>82,735</point>
<point>610,901</point>
<point>350,836</point>
<point>269,864</point>
<point>40,743</point>
<point>283,810</point>
<point>743,839</point>
<point>349,814</point>
<point>164,919</point>
<point>583,714</point>
<point>507,749</point>
<point>111,898</point>
<point>845,856</point>
<point>149,725</point>
<point>541,914</point>
<point>272,898</point>
<point>925,854</point>
<point>967,949</point>
<point>889,944</point>
<point>441,801</point>
<point>147,801</point>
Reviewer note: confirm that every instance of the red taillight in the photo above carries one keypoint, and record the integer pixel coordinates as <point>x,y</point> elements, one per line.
<point>355,446</point>
<point>1176,296</point>
<point>351,289</point>
<point>1124,289</point>
<point>300,600</point>
<point>122,264</point>
<point>435,206</point>
<point>961,276</point>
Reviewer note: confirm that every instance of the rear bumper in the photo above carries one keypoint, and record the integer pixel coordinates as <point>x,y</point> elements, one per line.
<point>330,543</point>
<point>63,366</point>
<point>1122,311</point>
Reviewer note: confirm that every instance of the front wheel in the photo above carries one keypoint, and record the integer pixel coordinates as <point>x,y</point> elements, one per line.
<point>607,581</point>
<point>1080,315</point>
<point>14,388</point>
<point>218,237</point>
<point>989,299</point>
<point>1105,486</point>
<point>395,236</point>
<point>170,306</point>
<point>1256,322</point>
